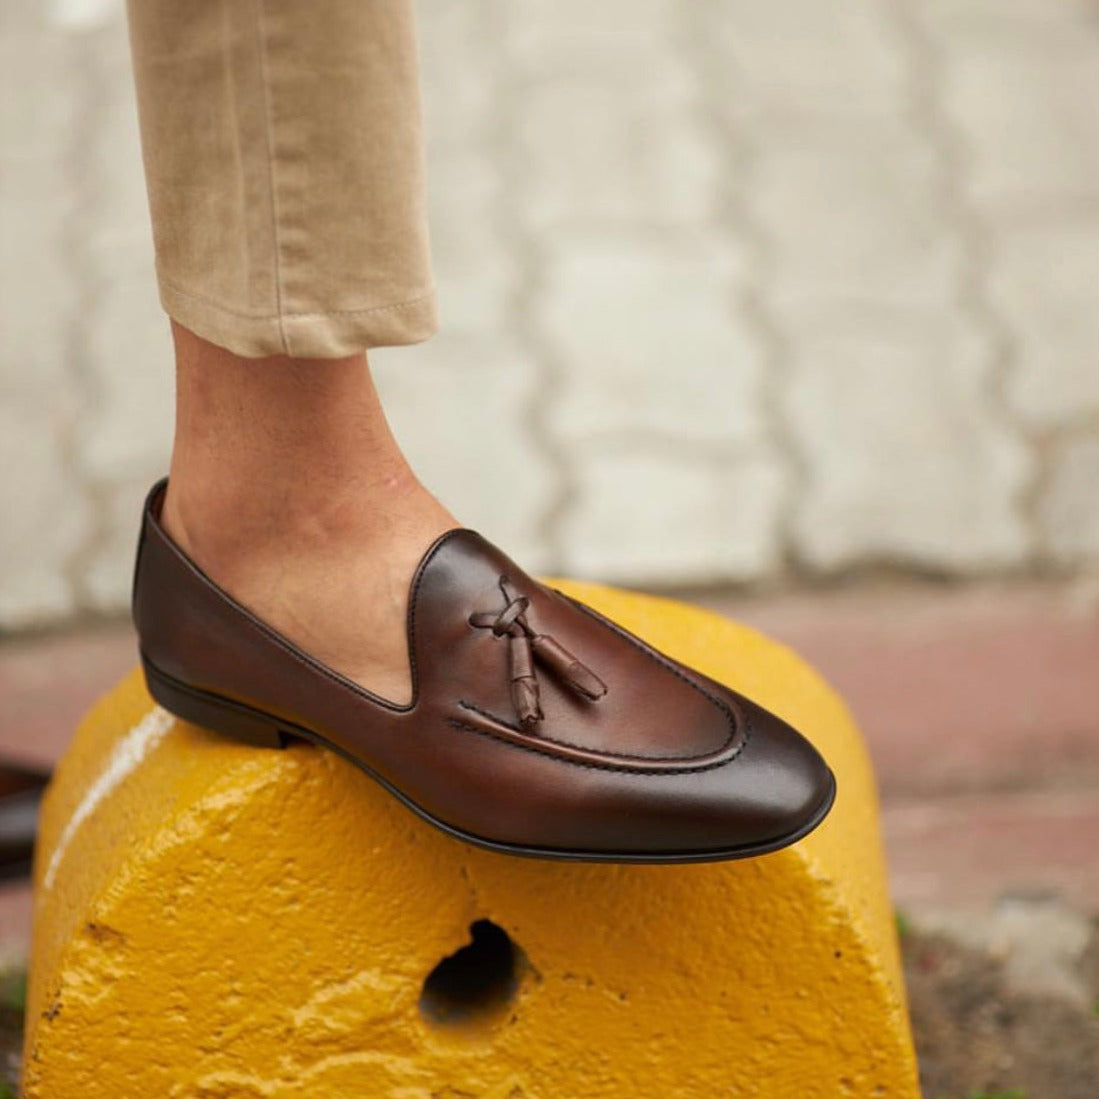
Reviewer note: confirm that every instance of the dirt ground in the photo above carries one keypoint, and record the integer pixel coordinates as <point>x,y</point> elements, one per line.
<point>976,1038</point>
<point>13,991</point>
<point>979,1040</point>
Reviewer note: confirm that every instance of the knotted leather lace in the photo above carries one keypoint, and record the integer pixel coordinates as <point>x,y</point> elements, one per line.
<point>524,645</point>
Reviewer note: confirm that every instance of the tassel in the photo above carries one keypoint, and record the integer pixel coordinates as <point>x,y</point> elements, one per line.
<point>577,675</point>
<point>524,687</point>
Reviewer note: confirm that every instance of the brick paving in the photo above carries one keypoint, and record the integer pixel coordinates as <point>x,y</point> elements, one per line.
<point>980,707</point>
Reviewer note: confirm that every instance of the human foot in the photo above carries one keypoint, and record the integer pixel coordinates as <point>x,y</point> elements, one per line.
<point>334,582</point>
<point>538,727</point>
<point>289,490</point>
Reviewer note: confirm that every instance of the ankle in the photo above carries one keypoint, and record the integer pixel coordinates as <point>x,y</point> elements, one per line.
<point>225,523</point>
<point>282,455</point>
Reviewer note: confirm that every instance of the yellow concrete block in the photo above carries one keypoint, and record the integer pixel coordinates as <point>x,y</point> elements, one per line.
<point>224,922</point>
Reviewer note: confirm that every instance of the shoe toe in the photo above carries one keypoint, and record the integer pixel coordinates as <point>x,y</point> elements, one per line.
<point>773,792</point>
<point>777,788</point>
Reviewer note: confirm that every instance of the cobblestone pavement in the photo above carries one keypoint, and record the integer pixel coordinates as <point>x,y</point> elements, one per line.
<point>730,290</point>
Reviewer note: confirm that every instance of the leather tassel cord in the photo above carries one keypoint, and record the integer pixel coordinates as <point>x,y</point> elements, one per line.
<point>524,647</point>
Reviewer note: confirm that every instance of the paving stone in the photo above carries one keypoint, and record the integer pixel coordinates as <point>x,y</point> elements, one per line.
<point>123,441</point>
<point>128,431</point>
<point>607,147</point>
<point>588,164</point>
<point>45,516</point>
<point>117,233</point>
<point>794,58</point>
<point>459,59</point>
<point>1025,111</point>
<point>647,338</point>
<point>16,908</point>
<point>124,435</point>
<point>107,565</point>
<point>1044,277</point>
<point>976,23</point>
<point>84,15</point>
<point>36,196</point>
<point>1069,508</point>
<point>124,335</point>
<point>462,407</point>
<point>642,514</point>
<point>1040,940</point>
<point>968,852</point>
<point>476,268</point>
<point>125,342</point>
<point>936,486</point>
<point>852,211</point>
<point>958,689</point>
<point>39,709</point>
<point>575,37</point>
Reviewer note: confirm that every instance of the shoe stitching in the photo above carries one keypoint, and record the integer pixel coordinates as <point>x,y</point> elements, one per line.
<point>466,727</point>
<point>413,607</point>
<point>365,310</point>
<point>664,662</point>
<point>645,650</point>
<point>657,658</point>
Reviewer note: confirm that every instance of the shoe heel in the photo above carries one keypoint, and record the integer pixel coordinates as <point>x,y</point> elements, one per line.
<point>220,716</point>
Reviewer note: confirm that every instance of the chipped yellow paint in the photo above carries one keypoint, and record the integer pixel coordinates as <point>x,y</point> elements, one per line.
<point>233,923</point>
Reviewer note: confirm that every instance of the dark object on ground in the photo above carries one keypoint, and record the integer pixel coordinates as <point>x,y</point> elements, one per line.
<point>20,794</point>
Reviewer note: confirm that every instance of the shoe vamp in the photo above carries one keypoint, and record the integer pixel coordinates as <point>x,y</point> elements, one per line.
<point>653,708</point>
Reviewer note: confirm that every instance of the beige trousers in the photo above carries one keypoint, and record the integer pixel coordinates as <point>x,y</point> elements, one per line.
<point>283,148</point>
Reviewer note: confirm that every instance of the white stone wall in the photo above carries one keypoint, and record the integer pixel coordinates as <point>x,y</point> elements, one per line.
<point>730,290</point>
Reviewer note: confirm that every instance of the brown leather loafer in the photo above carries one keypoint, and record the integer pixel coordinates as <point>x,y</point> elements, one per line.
<point>536,727</point>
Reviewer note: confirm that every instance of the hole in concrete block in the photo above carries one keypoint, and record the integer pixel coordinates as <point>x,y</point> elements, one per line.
<point>475,983</point>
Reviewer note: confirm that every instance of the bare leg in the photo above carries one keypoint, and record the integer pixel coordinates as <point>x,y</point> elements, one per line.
<point>288,488</point>
<point>284,157</point>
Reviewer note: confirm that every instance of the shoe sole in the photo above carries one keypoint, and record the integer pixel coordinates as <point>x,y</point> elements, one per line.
<point>251,726</point>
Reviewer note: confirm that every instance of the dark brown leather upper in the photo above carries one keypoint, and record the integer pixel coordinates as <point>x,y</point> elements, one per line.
<point>664,760</point>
